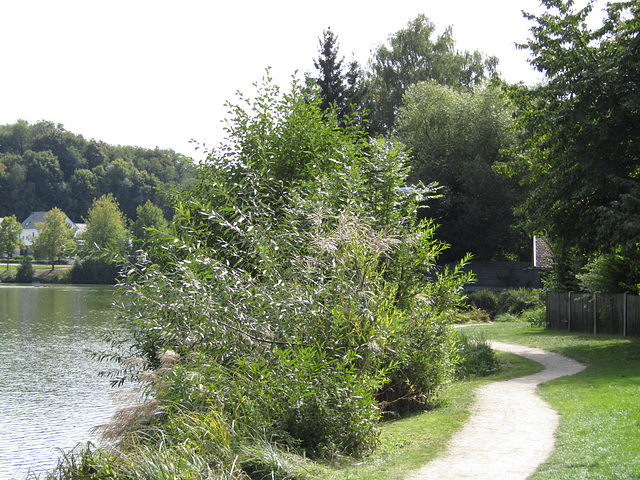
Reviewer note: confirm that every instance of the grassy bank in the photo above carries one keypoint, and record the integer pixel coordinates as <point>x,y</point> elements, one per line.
<point>41,273</point>
<point>599,408</point>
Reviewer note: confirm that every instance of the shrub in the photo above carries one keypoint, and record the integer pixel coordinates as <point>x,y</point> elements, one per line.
<point>476,357</point>
<point>516,301</point>
<point>512,301</point>
<point>506,317</point>
<point>94,270</point>
<point>472,315</point>
<point>295,293</point>
<point>536,317</point>
<point>24,274</point>
<point>486,300</point>
<point>611,273</point>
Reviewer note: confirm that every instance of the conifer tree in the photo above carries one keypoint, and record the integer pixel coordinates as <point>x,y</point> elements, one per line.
<point>340,86</point>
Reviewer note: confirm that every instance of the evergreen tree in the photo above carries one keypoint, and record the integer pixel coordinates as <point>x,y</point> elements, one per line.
<point>340,88</point>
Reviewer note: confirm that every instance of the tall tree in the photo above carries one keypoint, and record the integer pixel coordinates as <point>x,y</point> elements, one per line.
<point>149,218</point>
<point>455,137</point>
<point>341,87</point>
<point>106,226</point>
<point>10,230</point>
<point>55,237</point>
<point>580,151</point>
<point>413,56</point>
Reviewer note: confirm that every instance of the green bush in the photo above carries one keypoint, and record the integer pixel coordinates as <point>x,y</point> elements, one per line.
<point>516,301</point>
<point>536,317</point>
<point>24,274</point>
<point>94,270</point>
<point>296,294</point>
<point>506,317</point>
<point>486,300</point>
<point>476,357</point>
<point>512,301</point>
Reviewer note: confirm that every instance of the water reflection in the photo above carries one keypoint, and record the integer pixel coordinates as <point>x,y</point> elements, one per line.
<point>51,394</point>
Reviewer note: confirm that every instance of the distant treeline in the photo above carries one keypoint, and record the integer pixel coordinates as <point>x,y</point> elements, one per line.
<point>44,166</point>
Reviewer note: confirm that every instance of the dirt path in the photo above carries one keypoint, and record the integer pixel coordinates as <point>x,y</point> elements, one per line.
<point>511,431</point>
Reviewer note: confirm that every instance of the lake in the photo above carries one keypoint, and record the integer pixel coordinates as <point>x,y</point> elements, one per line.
<point>51,396</point>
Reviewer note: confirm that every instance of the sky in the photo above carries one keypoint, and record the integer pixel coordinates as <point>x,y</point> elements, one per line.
<point>156,73</point>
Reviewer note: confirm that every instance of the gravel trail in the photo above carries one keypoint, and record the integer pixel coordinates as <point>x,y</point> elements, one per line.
<point>511,430</point>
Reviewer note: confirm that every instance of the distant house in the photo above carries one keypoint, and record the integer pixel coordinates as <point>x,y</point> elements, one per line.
<point>542,256</point>
<point>30,229</point>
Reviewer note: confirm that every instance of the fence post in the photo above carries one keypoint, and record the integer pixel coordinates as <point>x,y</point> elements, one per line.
<point>595,313</point>
<point>569,320</point>
<point>624,309</point>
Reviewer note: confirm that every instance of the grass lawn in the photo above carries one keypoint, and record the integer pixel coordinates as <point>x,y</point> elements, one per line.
<point>599,432</point>
<point>42,272</point>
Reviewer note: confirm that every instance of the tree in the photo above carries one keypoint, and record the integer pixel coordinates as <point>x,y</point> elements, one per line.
<point>106,227</point>
<point>55,237</point>
<point>149,219</point>
<point>579,150</point>
<point>455,137</point>
<point>43,172</point>
<point>340,90</point>
<point>412,56</point>
<point>10,230</point>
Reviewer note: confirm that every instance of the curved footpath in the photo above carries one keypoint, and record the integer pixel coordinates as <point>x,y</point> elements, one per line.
<point>511,430</point>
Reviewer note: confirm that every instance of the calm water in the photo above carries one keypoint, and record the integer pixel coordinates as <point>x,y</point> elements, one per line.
<point>50,393</point>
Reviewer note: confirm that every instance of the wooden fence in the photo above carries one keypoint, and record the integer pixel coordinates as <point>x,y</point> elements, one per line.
<point>615,314</point>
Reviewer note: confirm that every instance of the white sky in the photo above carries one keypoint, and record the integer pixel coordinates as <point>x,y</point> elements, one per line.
<point>157,73</point>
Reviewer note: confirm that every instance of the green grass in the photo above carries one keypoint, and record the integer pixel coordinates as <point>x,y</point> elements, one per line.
<point>599,432</point>
<point>409,443</point>
<point>42,271</point>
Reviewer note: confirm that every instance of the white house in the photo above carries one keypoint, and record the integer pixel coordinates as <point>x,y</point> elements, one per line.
<point>30,230</point>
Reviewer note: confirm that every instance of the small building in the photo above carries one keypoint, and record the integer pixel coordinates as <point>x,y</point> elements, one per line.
<point>30,229</point>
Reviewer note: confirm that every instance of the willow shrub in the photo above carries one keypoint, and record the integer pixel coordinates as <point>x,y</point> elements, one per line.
<point>296,296</point>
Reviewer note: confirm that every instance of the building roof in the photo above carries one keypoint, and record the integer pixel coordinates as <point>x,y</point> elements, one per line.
<point>33,219</point>
<point>39,217</point>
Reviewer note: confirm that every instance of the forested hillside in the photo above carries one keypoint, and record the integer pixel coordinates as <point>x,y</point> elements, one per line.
<point>43,166</point>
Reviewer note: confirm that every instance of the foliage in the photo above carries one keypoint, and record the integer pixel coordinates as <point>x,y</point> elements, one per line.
<point>536,317</point>
<point>42,166</point>
<point>94,270</point>
<point>486,300</point>
<point>10,230</point>
<point>455,137</point>
<point>24,274</point>
<point>611,273</point>
<point>506,317</point>
<point>55,237</point>
<point>149,219</point>
<point>518,300</point>
<point>511,302</point>
<point>290,297</point>
<point>579,151</point>
<point>341,89</point>
<point>477,358</point>
<point>412,56</point>
<point>106,227</point>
